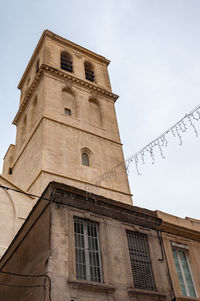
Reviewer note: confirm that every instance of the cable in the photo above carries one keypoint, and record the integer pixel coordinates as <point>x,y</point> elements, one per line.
<point>23,192</point>
<point>29,286</point>
<point>160,141</point>
<point>28,276</point>
<point>177,129</point>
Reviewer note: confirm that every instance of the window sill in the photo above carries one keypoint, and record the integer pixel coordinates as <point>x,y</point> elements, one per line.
<point>72,117</point>
<point>133,292</point>
<point>187,298</point>
<point>91,286</point>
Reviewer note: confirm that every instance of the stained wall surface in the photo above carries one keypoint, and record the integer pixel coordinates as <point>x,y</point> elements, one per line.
<point>14,209</point>
<point>23,273</point>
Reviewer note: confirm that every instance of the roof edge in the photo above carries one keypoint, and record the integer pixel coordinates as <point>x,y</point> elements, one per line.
<point>48,33</point>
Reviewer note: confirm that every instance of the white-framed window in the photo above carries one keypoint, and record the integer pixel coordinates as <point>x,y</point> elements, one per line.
<point>140,260</point>
<point>88,258</point>
<point>183,270</point>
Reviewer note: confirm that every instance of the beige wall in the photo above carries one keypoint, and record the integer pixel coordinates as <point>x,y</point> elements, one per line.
<point>32,73</point>
<point>29,162</point>
<point>54,141</point>
<point>54,108</point>
<point>14,209</point>
<point>185,232</point>
<point>53,48</point>
<point>116,265</point>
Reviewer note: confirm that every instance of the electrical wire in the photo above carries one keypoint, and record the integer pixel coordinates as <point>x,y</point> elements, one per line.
<point>179,127</point>
<point>23,192</point>
<point>27,276</point>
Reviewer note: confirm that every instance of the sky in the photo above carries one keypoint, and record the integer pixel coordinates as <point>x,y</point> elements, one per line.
<point>154,48</point>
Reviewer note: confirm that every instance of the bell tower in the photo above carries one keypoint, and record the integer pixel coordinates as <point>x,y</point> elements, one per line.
<point>67,129</point>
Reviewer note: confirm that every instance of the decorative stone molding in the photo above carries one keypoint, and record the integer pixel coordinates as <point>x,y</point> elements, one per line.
<point>152,295</point>
<point>78,54</point>
<point>98,204</point>
<point>180,230</point>
<point>94,94</point>
<point>62,75</point>
<point>68,84</point>
<point>91,286</point>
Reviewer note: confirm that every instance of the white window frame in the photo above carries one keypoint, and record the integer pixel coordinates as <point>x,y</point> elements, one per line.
<point>180,247</point>
<point>87,251</point>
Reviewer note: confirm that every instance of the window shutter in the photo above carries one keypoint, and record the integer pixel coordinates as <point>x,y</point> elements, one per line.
<point>140,261</point>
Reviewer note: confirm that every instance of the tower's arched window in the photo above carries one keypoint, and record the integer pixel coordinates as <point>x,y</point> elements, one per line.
<point>69,103</point>
<point>85,159</point>
<point>89,71</point>
<point>66,61</point>
<point>95,112</point>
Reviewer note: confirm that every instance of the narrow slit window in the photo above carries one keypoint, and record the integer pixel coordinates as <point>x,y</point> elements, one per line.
<point>85,159</point>
<point>68,112</point>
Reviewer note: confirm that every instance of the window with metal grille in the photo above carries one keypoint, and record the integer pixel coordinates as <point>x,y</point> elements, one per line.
<point>140,261</point>
<point>66,62</point>
<point>88,260</point>
<point>89,72</point>
<point>184,273</point>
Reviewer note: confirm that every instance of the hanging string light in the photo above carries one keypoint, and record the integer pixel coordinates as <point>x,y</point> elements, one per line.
<point>161,142</point>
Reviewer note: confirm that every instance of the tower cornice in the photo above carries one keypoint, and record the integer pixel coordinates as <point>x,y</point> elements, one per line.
<point>44,68</point>
<point>57,38</point>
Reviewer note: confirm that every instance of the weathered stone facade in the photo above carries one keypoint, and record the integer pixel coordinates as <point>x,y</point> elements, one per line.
<point>45,245</point>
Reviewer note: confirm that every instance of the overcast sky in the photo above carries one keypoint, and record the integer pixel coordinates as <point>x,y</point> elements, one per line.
<point>154,48</point>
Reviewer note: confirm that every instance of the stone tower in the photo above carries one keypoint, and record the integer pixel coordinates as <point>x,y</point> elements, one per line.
<point>67,129</point>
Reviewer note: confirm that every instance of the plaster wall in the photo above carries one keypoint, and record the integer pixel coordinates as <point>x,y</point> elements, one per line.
<point>29,258</point>
<point>116,267</point>
<point>14,209</point>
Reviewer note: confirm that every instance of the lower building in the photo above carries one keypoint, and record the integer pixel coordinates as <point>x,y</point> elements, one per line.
<point>75,246</point>
<point>181,238</point>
